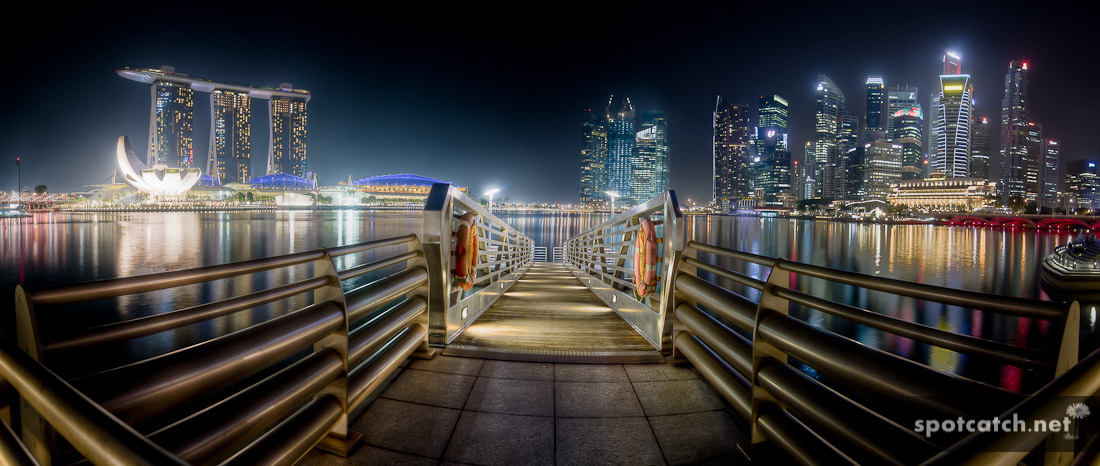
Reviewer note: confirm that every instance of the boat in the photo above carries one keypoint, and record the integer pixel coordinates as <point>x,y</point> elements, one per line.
<point>1073,271</point>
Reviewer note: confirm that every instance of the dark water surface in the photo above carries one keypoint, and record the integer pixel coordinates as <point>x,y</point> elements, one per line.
<point>53,248</point>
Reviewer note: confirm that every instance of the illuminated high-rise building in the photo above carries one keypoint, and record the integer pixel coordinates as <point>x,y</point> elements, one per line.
<point>772,179</point>
<point>908,125</point>
<point>828,163</point>
<point>952,126</point>
<point>1048,174</point>
<point>1017,165</point>
<point>620,147</point>
<point>649,173</point>
<point>731,164</point>
<point>230,136</point>
<point>876,100</point>
<point>898,98</point>
<point>1082,184</point>
<point>288,136</point>
<point>171,125</point>
<point>882,166</point>
<point>593,159</point>
<point>979,149</point>
<point>952,62</point>
<point>771,126</point>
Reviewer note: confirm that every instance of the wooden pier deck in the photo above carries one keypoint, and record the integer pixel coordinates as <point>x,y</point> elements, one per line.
<point>550,316</point>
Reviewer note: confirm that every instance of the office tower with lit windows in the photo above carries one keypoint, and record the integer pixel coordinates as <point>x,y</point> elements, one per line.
<point>171,126</point>
<point>731,164</point>
<point>856,185</point>
<point>874,122</point>
<point>908,125</point>
<point>620,147</point>
<point>807,182</point>
<point>828,161</point>
<point>1033,148</point>
<point>288,136</point>
<point>1082,185</point>
<point>771,126</point>
<point>772,179</point>
<point>230,136</point>
<point>952,126</point>
<point>898,98</point>
<point>882,166</point>
<point>1048,174</point>
<point>979,149</point>
<point>593,159</point>
<point>1016,163</point>
<point>649,173</point>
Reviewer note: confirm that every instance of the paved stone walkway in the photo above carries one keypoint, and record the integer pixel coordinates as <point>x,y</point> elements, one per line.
<point>451,410</point>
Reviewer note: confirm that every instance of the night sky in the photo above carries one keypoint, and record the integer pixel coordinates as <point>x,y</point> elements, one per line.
<point>493,98</point>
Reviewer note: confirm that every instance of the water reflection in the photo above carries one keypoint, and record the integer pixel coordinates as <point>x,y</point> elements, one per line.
<point>51,248</point>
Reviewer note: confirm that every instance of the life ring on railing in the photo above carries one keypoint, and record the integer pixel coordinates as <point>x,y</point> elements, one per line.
<point>645,259</point>
<point>466,249</point>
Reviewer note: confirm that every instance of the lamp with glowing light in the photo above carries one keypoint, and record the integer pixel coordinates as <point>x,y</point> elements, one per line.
<point>613,195</point>
<point>490,193</point>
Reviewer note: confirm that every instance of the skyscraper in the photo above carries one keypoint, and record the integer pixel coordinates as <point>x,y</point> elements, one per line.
<point>288,136</point>
<point>874,123</point>
<point>1033,147</point>
<point>1048,175</point>
<point>171,140</point>
<point>1082,184</point>
<point>230,136</point>
<point>771,127</point>
<point>772,179</point>
<point>908,125</point>
<point>979,149</point>
<point>883,165</point>
<point>1015,116</point>
<point>952,62</point>
<point>900,97</point>
<point>952,126</point>
<point>830,104</point>
<point>649,172</point>
<point>620,147</point>
<point>593,159</point>
<point>730,156</point>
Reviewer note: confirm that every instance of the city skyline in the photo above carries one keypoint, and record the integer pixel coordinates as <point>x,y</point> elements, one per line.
<point>370,113</point>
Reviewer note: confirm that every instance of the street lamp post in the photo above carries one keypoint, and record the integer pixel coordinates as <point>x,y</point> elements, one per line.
<point>490,193</point>
<point>19,169</point>
<point>613,194</point>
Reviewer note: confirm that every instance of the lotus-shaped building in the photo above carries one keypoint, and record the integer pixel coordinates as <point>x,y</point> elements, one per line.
<point>160,182</point>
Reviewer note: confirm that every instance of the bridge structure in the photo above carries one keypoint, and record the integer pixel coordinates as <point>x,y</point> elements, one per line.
<point>1039,222</point>
<point>540,362</point>
<point>34,200</point>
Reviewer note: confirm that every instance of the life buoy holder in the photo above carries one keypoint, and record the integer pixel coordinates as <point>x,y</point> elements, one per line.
<point>466,251</point>
<point>645,259</point>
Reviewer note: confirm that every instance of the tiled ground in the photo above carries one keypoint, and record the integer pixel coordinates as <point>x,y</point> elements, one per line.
<point>469,411</point>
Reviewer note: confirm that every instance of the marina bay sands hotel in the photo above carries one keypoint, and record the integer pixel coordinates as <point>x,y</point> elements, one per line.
<point>171,125</point>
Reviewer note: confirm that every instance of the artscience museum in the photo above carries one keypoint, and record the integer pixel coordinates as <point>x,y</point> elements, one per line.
<point>160,182</point>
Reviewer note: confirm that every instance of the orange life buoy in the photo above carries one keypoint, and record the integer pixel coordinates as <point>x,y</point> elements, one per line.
<point>466,250</point>
<point>645,258</point>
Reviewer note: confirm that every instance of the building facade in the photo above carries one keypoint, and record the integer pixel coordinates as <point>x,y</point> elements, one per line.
<point>979,149</point>
<point>650,171</point>
<point>828,160</point>
<point>952,126</point>
<point>593,159</point>
<point>731,164</point>
<point>620,147</point>
<point>288,136</point>
<point>1015,116</point>
<point>898,98</point>
<point>908,127</point>
<point>1082,185</point>
<point>230,136</point>
<point>171,128</point>
<point>882,168</point>
<point>1048,175</point>
<point>942,194</point>
<point>772,180</point>
<point>874,122</point>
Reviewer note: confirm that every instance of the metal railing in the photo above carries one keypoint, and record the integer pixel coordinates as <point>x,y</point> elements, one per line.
<point>504,255</point>
<point>601,258</point>
<point>265,394</point>
<point>559,254</point>
<point>861,407</point>
<point>540,254</point>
